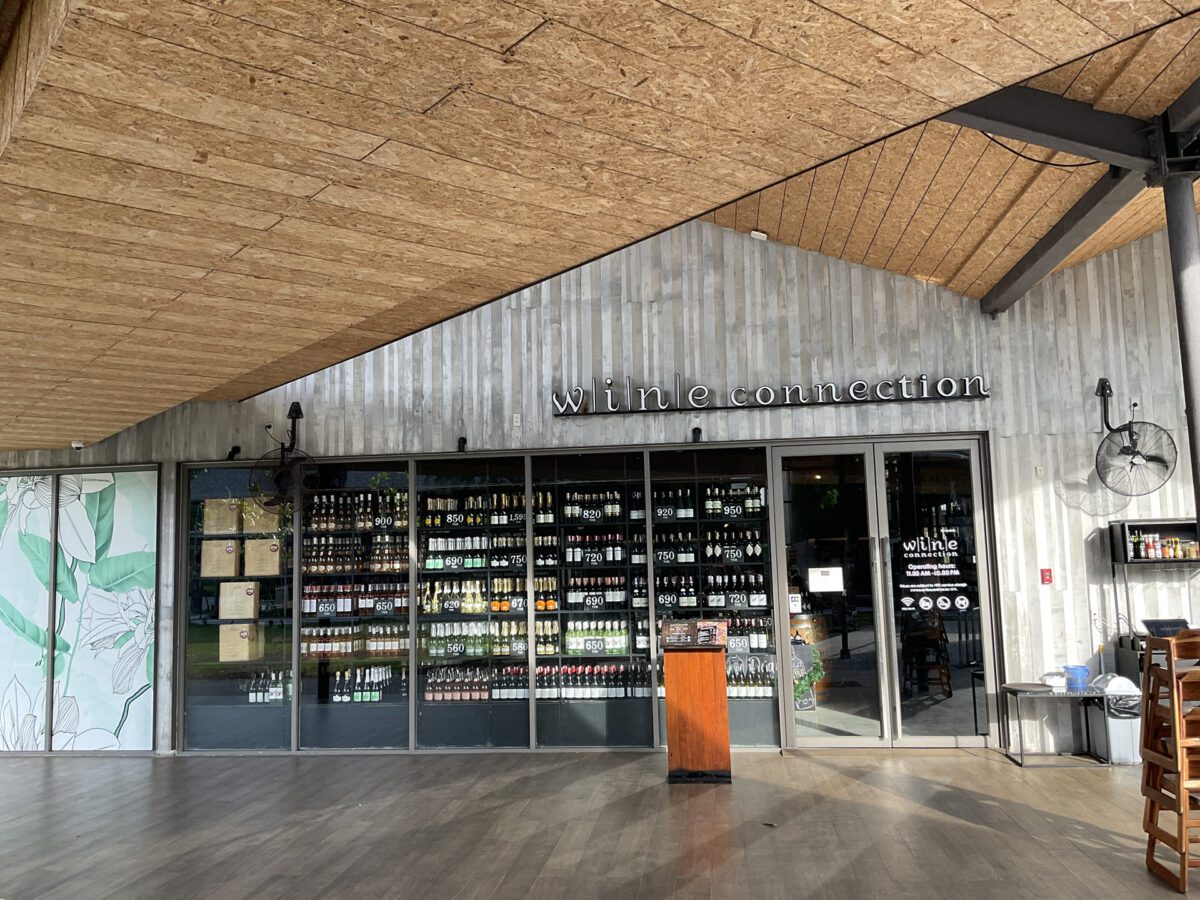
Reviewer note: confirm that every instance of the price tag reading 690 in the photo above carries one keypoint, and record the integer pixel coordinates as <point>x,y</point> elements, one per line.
<point>593,601</point>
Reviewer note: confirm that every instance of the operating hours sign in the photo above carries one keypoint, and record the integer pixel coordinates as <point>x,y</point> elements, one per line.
<point>935,571</point>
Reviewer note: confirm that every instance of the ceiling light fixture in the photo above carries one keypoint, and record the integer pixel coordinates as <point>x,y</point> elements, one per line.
<point>758,235</point>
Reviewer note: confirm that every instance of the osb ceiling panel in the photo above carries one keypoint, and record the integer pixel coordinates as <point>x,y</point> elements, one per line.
<point>949,205</point>
<point>207,198</point>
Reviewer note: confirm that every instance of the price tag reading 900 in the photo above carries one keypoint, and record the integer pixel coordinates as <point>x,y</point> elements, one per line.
<point>384,521</point>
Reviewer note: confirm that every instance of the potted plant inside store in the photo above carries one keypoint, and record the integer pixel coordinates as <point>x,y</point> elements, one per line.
<point>805,679</point>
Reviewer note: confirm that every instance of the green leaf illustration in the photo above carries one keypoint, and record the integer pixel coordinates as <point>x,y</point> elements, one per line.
<point>100,506</point>
<point>119,574</point>
<point>37,551</point>
<point>16,622</point>
<point>150,663</point>
<point>3,513</point>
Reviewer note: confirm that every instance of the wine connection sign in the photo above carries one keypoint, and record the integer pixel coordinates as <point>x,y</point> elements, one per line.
<point>606,397</point>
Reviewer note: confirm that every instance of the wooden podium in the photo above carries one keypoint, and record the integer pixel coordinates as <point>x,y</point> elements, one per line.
<point>697,715</point>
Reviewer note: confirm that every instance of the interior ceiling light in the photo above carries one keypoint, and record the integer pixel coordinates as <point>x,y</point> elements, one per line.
<point>759,235</point>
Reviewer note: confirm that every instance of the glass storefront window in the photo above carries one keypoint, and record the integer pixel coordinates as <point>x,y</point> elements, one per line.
<point>591,619</point>
<point>238,679</point>
<point>472,632</point>
<point>712,559</point>
<point>354,608</point>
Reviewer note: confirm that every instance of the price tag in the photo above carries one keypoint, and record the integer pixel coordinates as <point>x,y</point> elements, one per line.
<point>385,607</point>
<point>517,604</point>
<point>384,521</point>
<point>666,599</point>
<point>519,648</point>
<point>687,600</point>
<point>592,514</point>
<point>593,646</point>
<point>452,562</point>
<point>666,557</point>
<point>593,601</point>
<point>735,554</point>
<point>593,557</point>
<point>517,559</point>
<point>664,513</point>
<point>739,645</point>
<point>733,510</point>
<point>758,599</point>
<point>516,518</point>
<point>738,599</point>
<point>456,648</point>
<point>451,605</point>
<point>326,607</point>
<point>455,518</point>
<point>715,600</point>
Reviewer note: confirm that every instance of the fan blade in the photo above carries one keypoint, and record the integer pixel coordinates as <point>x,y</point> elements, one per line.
<point>1157,460</point>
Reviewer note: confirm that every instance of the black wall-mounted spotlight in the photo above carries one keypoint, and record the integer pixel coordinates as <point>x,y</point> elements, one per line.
<point>696,435</point>
<point>233,453</point>
<point>462,445</point>
<point>295,411</point>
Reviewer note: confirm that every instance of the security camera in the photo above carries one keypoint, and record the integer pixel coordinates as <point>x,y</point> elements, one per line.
<point>77,445</point>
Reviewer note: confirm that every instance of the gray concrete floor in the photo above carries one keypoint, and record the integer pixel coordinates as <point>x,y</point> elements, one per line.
<point>888,823</point>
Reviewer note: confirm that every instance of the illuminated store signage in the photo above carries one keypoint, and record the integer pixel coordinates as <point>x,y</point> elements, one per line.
<point>607,396</point>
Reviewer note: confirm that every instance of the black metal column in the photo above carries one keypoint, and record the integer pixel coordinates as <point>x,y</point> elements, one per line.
<point>1183,237</point>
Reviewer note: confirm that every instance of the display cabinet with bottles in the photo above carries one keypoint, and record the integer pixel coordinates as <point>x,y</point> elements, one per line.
<point>239,585</point>
<point>472,631</point>
<point>711,549</point>
<point>593,679</point>
<point>354,608</point>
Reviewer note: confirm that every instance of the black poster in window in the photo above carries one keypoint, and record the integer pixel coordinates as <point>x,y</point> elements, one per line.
<point>935,571</point>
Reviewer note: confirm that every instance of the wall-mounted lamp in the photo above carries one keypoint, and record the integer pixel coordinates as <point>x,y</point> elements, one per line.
<point>233,453</point>
<point>696,435</point>
<point>462,445</point>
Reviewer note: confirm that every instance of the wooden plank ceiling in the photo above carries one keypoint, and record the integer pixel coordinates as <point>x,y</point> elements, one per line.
<point>948,205</point>
<point>208,198</point>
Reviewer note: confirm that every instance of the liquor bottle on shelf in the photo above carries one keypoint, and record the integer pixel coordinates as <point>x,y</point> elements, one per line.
<point>327,555</point>
<point>675,592</point>
<point>602,506</point>
<point>508,638</point>
<point>637,505</point>
<point>641,638</point>
<point>593,592</point>
<point>511,683</point>
<point>685,505</point>
<point>756,630</point>
<point>637,549</point>
<point>457,684</point>
<point>545,593</point>
<point>674,547</point>
<point>270,687</point>
<point>753,682</point>
<point>453,596</point>
<point>594,549</point>
<point>545,550</point>
<point>640,595</point>
<point>596,637</point>
<point>604,682</point>
<point>380,599</point>
<point>546,637</point>
<point>508,595</point>
<point>389,553</point>
<point>543,508</point>
<point>367,684</point>
<point>458,552</point>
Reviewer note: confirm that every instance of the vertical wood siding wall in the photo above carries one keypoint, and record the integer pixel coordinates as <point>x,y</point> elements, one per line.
<point>727,310</point>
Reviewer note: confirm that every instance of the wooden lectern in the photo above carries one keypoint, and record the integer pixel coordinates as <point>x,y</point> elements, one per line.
<point>697,714</point>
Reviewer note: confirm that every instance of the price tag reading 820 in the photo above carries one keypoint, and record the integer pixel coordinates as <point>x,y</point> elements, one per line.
<point>591,514</point>
<point>593,646</point>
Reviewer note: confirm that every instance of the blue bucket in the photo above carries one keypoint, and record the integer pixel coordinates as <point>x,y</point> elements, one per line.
<point>1077,677</point>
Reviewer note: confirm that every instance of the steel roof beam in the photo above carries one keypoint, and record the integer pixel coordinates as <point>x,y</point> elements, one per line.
<point>1102,201</point>
<point>1055,122</point>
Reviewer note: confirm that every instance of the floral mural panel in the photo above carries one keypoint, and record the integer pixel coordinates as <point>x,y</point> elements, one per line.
<point>104,634</point>
<point>24,610</point>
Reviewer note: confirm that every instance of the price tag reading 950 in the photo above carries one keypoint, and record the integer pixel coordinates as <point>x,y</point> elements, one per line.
<point>455,518</point>
<point>664,556</point>
<point>593,557</point>
<point>593,646</point>
<point>451,605</point>
<point>733,510</point>
<point>456,648</point>
<point>664,512</point>
<point>593,601</point>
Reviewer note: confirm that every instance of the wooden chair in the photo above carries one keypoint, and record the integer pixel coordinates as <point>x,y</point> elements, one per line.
<point>1171,753</point>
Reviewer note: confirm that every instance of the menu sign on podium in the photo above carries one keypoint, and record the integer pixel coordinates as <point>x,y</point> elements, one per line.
<point>697,708</point>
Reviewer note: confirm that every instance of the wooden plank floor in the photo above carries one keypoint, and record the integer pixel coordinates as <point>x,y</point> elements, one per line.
<point>894,824</point>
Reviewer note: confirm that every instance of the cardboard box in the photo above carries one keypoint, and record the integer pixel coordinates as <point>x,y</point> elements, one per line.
<point>239,643</point>
<point>256,520</point>
<point>238,600</point>
<point>219,559</point>
<point>222,516</point>
<point>263,557</point>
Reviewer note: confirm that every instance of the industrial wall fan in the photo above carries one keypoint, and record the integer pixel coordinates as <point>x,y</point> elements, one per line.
<point>277,476</point>
<point>1136,458</point>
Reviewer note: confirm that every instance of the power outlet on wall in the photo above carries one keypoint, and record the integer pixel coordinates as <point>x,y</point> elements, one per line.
<point>516,420</point>
<point>1039,471</point>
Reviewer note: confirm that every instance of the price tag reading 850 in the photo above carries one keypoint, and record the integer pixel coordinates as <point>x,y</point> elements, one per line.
<point>455,518</point>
